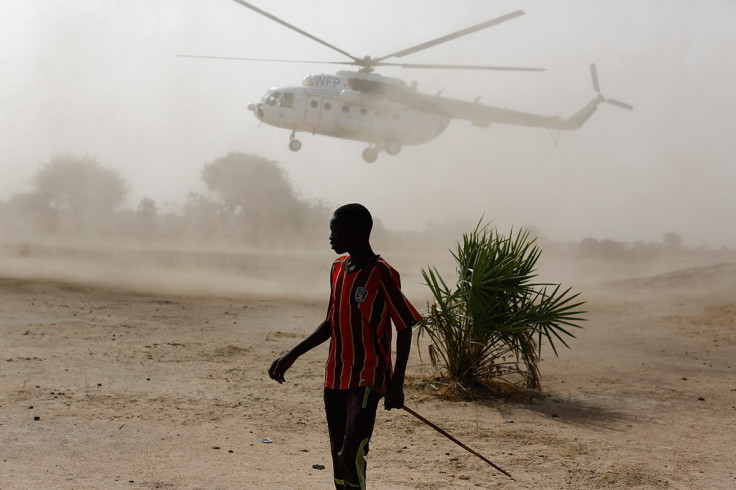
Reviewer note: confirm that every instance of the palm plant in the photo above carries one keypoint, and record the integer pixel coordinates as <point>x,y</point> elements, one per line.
<point>491,325</point>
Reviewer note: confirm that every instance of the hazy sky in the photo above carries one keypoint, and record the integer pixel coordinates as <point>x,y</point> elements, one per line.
<point>100,78</point>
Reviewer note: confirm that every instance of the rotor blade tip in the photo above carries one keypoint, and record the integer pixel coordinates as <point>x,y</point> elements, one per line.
<point>620,104</point>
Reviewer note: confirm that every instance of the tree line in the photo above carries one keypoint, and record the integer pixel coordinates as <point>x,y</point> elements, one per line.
<point>250,201</point>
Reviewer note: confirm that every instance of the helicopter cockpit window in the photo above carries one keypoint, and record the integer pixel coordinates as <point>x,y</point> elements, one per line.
<point>287,100</point>
<point>273,98</point>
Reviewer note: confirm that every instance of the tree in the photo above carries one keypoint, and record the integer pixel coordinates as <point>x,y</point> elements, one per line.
<point>202,217</point>
<point>491,325</point>
<point>256,193</point>
<point>589,247</point>
<point>80,187</point>
<point>247,180</point>
<point>146,216</point>
<point>672,240</point>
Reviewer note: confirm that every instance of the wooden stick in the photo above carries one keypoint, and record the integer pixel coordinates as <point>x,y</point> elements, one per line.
<point>441,431</point>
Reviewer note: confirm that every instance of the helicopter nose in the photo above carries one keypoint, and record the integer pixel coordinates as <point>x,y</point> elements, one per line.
<point>257,110</point>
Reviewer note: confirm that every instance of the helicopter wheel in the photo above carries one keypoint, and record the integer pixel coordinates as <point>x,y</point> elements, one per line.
<point>295,145</point>
<point>370,155</point>
<point>393,148</point>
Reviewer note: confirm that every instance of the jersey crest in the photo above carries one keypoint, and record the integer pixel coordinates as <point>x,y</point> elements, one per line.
<point>361,294</point>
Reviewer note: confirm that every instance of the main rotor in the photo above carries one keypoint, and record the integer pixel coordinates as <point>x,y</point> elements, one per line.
<point>368,64</point>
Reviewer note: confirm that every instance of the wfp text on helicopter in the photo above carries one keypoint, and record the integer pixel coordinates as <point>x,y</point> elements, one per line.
<point>385,112</point>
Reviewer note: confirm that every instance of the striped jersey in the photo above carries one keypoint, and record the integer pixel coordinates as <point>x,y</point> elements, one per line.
<point>363,303</point>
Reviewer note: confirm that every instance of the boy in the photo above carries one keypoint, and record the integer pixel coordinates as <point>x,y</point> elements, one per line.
<point>365,298</point>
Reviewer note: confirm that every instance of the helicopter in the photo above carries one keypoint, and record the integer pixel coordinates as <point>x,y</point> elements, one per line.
<point>386,112</point>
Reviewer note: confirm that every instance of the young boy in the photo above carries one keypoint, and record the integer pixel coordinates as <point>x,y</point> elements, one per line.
<point>365,298</point>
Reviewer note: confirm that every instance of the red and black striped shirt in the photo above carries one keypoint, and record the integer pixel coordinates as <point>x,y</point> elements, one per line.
<point>363,303</point>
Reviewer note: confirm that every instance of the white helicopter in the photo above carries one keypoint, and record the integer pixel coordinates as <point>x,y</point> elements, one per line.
<point>385,112</point>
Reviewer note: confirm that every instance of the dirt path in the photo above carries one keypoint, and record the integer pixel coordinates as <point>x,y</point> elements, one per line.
<point>102,388</point>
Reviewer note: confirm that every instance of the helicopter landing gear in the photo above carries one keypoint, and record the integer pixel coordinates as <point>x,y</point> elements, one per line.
<point>294,144</point>
<point>370,155</point>
<point>393,147</point>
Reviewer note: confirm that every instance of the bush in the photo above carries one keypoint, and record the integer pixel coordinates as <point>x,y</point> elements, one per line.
<point>490,327</point>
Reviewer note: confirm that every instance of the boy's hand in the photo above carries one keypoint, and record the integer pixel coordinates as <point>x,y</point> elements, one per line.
<point>279,367</point>
<point>395,396</point>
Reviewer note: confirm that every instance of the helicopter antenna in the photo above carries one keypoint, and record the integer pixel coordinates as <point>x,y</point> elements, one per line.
<point>555,135</point>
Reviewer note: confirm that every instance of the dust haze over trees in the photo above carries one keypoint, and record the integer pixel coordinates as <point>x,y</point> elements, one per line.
<point>250,202</point>
<point>69,194</point>
<point>256,197</point>
<point>80,185</point>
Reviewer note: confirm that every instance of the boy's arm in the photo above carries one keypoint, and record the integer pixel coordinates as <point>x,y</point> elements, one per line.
<point>283,363</point>
<point>395,397</point>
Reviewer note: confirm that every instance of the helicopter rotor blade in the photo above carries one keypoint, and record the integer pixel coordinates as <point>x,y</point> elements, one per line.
<point>618,103</point>
<point>400,65</point>
<point>264,59</point>
<point>294,28</point>
<point>450,37</point>
<point>594,74</point>
<point>462,67</point>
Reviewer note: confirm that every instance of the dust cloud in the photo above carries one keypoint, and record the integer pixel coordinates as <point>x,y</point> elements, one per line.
<point>252,234</point>
<point>249,230</point>
<point>626,195</point>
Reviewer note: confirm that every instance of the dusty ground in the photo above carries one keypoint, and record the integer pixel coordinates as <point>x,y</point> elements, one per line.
<point>105,386</point>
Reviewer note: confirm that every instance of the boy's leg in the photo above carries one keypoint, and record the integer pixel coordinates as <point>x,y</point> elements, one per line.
<point>360,416</point>
<point>336,416</point>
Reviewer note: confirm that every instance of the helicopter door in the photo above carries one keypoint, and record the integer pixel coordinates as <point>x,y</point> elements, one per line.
<point>313,111</point>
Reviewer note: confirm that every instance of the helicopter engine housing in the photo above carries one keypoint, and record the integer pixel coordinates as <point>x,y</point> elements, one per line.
<point>355,98</point>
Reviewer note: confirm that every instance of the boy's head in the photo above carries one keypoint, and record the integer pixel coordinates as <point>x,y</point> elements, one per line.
<point>350,227</point>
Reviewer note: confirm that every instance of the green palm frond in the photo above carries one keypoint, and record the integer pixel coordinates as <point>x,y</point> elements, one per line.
<point>496,310</point>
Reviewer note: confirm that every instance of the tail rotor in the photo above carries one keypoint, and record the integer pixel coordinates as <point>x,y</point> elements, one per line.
<point>597,88</point>
<point>594,74</point>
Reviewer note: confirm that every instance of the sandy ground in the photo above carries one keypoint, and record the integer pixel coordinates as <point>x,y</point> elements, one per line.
<point>107,386</point>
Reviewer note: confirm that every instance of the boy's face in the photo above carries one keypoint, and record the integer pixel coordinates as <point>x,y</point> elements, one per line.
<point>342,237</point>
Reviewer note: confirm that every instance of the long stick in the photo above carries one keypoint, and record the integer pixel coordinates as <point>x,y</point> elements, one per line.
<point>441,431</point>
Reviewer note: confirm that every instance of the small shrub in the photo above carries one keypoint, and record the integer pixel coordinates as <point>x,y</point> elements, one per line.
<point>491,325</point>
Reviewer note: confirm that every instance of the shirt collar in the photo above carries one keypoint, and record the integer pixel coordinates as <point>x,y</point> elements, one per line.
<point>351,267</point>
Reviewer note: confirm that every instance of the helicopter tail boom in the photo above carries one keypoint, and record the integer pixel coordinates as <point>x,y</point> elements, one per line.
<point>483,115</point>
